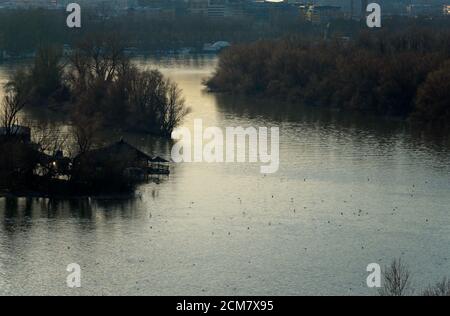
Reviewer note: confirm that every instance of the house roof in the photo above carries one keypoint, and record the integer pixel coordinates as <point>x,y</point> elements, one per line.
<point>118,150</point>
<point>159,160</point>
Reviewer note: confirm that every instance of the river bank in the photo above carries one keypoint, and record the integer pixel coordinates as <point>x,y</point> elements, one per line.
<point>207,227</point>
<point>39,195</point>
<point>391,74</point>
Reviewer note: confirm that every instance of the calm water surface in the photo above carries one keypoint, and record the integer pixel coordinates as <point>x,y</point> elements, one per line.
<point>351,190</point>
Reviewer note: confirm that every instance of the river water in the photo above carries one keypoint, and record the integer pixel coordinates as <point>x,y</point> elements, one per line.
<point>351,190</point>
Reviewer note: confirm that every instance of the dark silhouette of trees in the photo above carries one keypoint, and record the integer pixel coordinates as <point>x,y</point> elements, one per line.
<point>395,74</point>
<point>21,31</point>
<point>98,58</point>
<point>439,289</point>
<point>17,158</point>
<point>43,82</point>
<point>12,105</point>
<point>156,103</point>
<point>102,89</point>
<point>106,86</point>
<point>396,280</point>
<point>47,74</point>
<point>84,130</point>
<point>433,97</point>
<point>174,109</point>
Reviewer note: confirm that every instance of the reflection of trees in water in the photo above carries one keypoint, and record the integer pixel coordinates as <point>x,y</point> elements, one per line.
<point>31,224</point>
<point>285,112</point>
<point>13,219</point>
<point>19,214</point>
<point>356,126</point>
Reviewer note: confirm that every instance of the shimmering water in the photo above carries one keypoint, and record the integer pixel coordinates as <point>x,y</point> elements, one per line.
<point>351,190</point>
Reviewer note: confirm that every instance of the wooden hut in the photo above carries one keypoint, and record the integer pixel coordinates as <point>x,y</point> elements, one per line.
<point>119,158</point>
<point>159,165</point>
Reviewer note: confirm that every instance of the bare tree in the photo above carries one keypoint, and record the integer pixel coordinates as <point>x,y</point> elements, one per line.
<point>396,280</point>
<point>174,109</point>
<point>155,103</point>
<point>84,131</point>
<point>13,104</point>
<point>107,86</point>
<point>440,289</point>
<point>96,59</point>
<point>146,95</point>
<point>50,137</point>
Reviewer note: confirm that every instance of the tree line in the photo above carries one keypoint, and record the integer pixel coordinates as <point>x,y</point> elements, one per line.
<point>21,31</point>
<point>402,73</point>
<point>397,281</point>
<point>96,87</point>
<point>99,87</point>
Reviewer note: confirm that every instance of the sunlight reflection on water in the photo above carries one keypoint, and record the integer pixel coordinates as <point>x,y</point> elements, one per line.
<point>351,190</point>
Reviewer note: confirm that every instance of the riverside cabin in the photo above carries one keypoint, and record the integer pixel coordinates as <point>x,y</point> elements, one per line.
<point>121,157</point>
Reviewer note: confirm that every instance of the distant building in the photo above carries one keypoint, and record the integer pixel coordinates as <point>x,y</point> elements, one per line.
<point>216,47</point>
<point>446,9</point>
<point>49,4</point>
<point>217,8</point>
<point>198,7</point>
<point>262,9</point>
<point>236,8</point>
<point>320,14</point>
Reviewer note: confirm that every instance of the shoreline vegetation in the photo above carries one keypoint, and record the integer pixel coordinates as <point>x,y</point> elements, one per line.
<point>403,74</point>
<point>96,87</point>
<point>397,281</point>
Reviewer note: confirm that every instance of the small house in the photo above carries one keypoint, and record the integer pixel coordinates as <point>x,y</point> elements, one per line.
<point>119,159</point>
<point>159,165</point>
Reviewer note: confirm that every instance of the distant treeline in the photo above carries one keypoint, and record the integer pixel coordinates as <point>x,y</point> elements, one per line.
<point>21,31</point>
<point>402,73</point>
